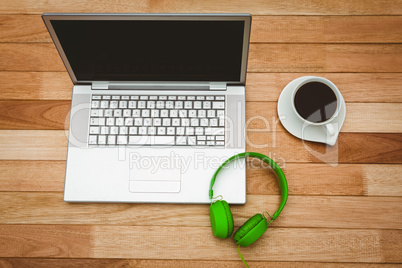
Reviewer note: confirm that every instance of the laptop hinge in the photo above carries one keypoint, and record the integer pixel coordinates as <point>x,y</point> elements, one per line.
<point>100,85</point>
<point>217,86</point>
<point>106,85</point>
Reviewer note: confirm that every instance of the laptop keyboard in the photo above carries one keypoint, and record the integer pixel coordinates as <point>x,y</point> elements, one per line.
<point>157,120</point>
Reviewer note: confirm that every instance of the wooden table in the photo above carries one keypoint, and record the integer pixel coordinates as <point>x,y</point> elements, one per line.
<point>347,213</point>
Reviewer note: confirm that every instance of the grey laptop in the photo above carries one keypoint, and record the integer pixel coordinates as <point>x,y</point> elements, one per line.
<point>158,103</point>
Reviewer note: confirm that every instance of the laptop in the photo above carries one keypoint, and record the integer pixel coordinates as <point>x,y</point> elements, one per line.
<point>158,103</point>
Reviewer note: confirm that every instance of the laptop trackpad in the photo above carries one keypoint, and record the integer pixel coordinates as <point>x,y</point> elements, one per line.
<point>154,178</point>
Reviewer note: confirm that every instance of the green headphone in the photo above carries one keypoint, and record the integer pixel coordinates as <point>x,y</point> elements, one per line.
<point>253,228</point>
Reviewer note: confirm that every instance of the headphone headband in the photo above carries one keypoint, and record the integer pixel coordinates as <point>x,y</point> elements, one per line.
<point>283,185</point>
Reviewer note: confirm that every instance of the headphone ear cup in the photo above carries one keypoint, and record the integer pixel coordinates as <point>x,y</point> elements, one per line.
<point>251,230</point>
<point>221,219</point>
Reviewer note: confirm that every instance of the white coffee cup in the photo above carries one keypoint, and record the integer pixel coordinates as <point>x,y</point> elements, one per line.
<point>305,81</point>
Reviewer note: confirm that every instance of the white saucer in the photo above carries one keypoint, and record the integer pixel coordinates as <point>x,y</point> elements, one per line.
<point>298,127</point>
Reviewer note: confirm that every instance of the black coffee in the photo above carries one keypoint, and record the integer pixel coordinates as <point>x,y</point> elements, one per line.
<point>316,102</point>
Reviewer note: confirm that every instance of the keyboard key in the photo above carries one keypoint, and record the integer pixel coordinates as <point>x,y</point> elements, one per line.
<point>123,104</point>
<point>106,97</point>
<point>116,97</point>
<point>211,113</point>
<point>220,138</point>
<point>142,130</point>
<point>194,122</point>
<point>151,130</point>
<point>157,122</point>
<point>93,139</point>
<point>176,122</point>
<point>136,113</point>
<point>113,104</point>
<point>95,97</point>
<point>111,139</point>
<point>182,113</point>
<point>181,140</point>
<point>160,104</point>
<point>200,97</point>
<point>108,112</point>
<point>120,121</point>
<point>189,131</point>
<point>154,113</point>
<point>170,131</point>
<point>206,104</point>
<point>191,140</point>
<point>147,121</point>
<point>190,97</point>
<point>125,97</point>
<point>101,139</point>
<point>135,98</point>
<point>199,131</point>
<point>123,130</point>
<point>201,138</point>
<point>220,98</point>
<point>143,97</point>
<point>141,104</point>
<point>132,104</point>
<point>202,113</point>
<point>104,104</point>
<point>180,130</point>
<point>192,113</point>
<point>94,130</point>
<point>117,113</point>
<point>178,105</point>
<point>122,140</point>
<point>153,97</point>
<point>219,143</point>
<point>210,143</point>
<point>126,112</point>
<point>163,97</point>
<point>169,105</point>
<point>151,104</point>
<point>104,130</point>
<point>94,112</point>
<point>218,105</point>
<point>110,121</point>
<point>185,122</point>
<point>200,142</point>
<point>95,104</point>
<point>137,121</point>
<point>181,97</point>
<point>145,113</point>
<point>210,98</point>
<point>161,131</point>
<point>197,105</point>
<point>166,122</point>
<point>188,105</point>
<point>94,121</point>
<point>213,122</point>
<point>133,130</point>
<point>114,130</point>
<point>164,113</point>
<point>214,131</point>
<point>204,122</point>
<point>174,113</point>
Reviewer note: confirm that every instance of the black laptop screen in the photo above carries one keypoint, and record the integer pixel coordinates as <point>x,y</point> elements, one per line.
<point>140,50</point>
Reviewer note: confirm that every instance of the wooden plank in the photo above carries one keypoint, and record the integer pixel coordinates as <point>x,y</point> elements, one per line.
<point>303,179</point>
<point>355,87</point>
<point>326,29</point>
<point>265,29</point>
<point>278,244</point>
<point>300,211</point>
<point>34,114</point>
<point>35,86</point>
<point>32,175</point>
<point>103,263</point>
<point>30,57</point>
<point>23,28</point>
<point>324,58</point>
<point>36,145</point>
<point>372,117</point>
<point>319,179</point>
<point>360,117</point>
<point>262,57</point>
<point>50,241</point>
<point>280,146</point>
<point>259,7</point>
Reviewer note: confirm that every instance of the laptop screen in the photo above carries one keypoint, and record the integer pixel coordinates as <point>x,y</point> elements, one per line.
<point>152,50</point>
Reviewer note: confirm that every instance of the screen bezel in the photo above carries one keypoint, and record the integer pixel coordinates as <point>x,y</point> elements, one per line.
<point>48,17</point>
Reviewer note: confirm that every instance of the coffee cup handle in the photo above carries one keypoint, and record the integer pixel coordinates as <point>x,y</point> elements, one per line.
<point>330,129</point>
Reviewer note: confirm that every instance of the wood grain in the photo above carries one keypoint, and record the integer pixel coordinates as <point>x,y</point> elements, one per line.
<point>324,58</point>
<point>262,57</point>
<point>35,86</point>
<point>278,244</point>
<point>265,29</point>
<point>303,179</point>
<point>301,211</point>
<point>373,117</point>
<point>281,147</point>
<point>326,29</point>
<point>120,263</point>
<point>259,7</point>
<point>355,87</point>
